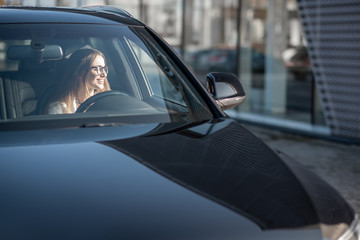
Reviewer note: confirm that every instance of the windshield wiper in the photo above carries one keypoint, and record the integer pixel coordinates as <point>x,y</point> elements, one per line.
<point>166,128</point>
<point>93,124</point>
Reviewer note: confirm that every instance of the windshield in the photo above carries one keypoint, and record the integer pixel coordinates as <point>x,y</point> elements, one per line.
<point>71,75</point>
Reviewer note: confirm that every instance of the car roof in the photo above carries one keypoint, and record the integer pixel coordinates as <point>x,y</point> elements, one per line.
<point>89,15</point>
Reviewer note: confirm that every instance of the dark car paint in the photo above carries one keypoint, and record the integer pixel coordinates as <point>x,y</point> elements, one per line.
<point>230,165</point>
<point>86,190</point>
<point>74,187</point>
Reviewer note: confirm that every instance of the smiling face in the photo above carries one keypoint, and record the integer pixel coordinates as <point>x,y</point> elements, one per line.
<point>95,80</point>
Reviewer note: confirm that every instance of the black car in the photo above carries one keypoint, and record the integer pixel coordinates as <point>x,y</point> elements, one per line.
<point>155,157</point>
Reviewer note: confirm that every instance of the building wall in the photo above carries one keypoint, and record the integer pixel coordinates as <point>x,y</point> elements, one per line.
<point>332,31</point>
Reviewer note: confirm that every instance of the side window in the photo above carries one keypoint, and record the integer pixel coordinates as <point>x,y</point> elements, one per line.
<point>158,83</point>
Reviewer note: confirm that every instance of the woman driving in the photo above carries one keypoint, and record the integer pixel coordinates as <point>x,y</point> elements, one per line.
<point>85,76</point>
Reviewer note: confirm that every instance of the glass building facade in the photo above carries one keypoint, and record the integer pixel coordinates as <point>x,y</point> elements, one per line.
<point>261,41</point>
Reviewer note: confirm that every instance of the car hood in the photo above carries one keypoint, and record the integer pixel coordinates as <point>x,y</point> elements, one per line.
<point>209,181</point>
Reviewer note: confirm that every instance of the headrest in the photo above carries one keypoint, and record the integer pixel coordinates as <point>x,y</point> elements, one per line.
<point>37,52</point>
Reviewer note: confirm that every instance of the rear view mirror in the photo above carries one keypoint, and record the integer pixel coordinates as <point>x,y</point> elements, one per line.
<point>37,52</point>
<point>226,89</point>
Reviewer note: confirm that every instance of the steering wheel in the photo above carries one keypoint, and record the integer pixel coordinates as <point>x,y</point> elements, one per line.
<point>114,101</point>
<point>102,97</point>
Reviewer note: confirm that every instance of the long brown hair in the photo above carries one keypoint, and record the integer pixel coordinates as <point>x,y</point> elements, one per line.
<point>73,82</point>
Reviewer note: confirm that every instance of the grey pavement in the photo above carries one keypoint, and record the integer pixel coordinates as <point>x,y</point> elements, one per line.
<point>336,163</point>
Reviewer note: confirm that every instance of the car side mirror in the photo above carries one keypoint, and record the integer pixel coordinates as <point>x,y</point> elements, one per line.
<point>226,89</point>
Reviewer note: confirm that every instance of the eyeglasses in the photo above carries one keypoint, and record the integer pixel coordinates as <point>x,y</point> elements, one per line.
<point>100,69</point>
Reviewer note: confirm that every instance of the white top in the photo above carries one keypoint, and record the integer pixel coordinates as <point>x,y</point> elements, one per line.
<point>59,107</point>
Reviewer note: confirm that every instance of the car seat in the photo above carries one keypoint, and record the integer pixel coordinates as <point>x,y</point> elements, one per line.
<point>22,88</point>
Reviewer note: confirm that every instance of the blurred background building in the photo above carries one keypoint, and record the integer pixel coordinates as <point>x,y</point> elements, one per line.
<point>261,41</point>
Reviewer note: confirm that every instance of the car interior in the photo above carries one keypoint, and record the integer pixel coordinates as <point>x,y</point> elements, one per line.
<point>33,69</point>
